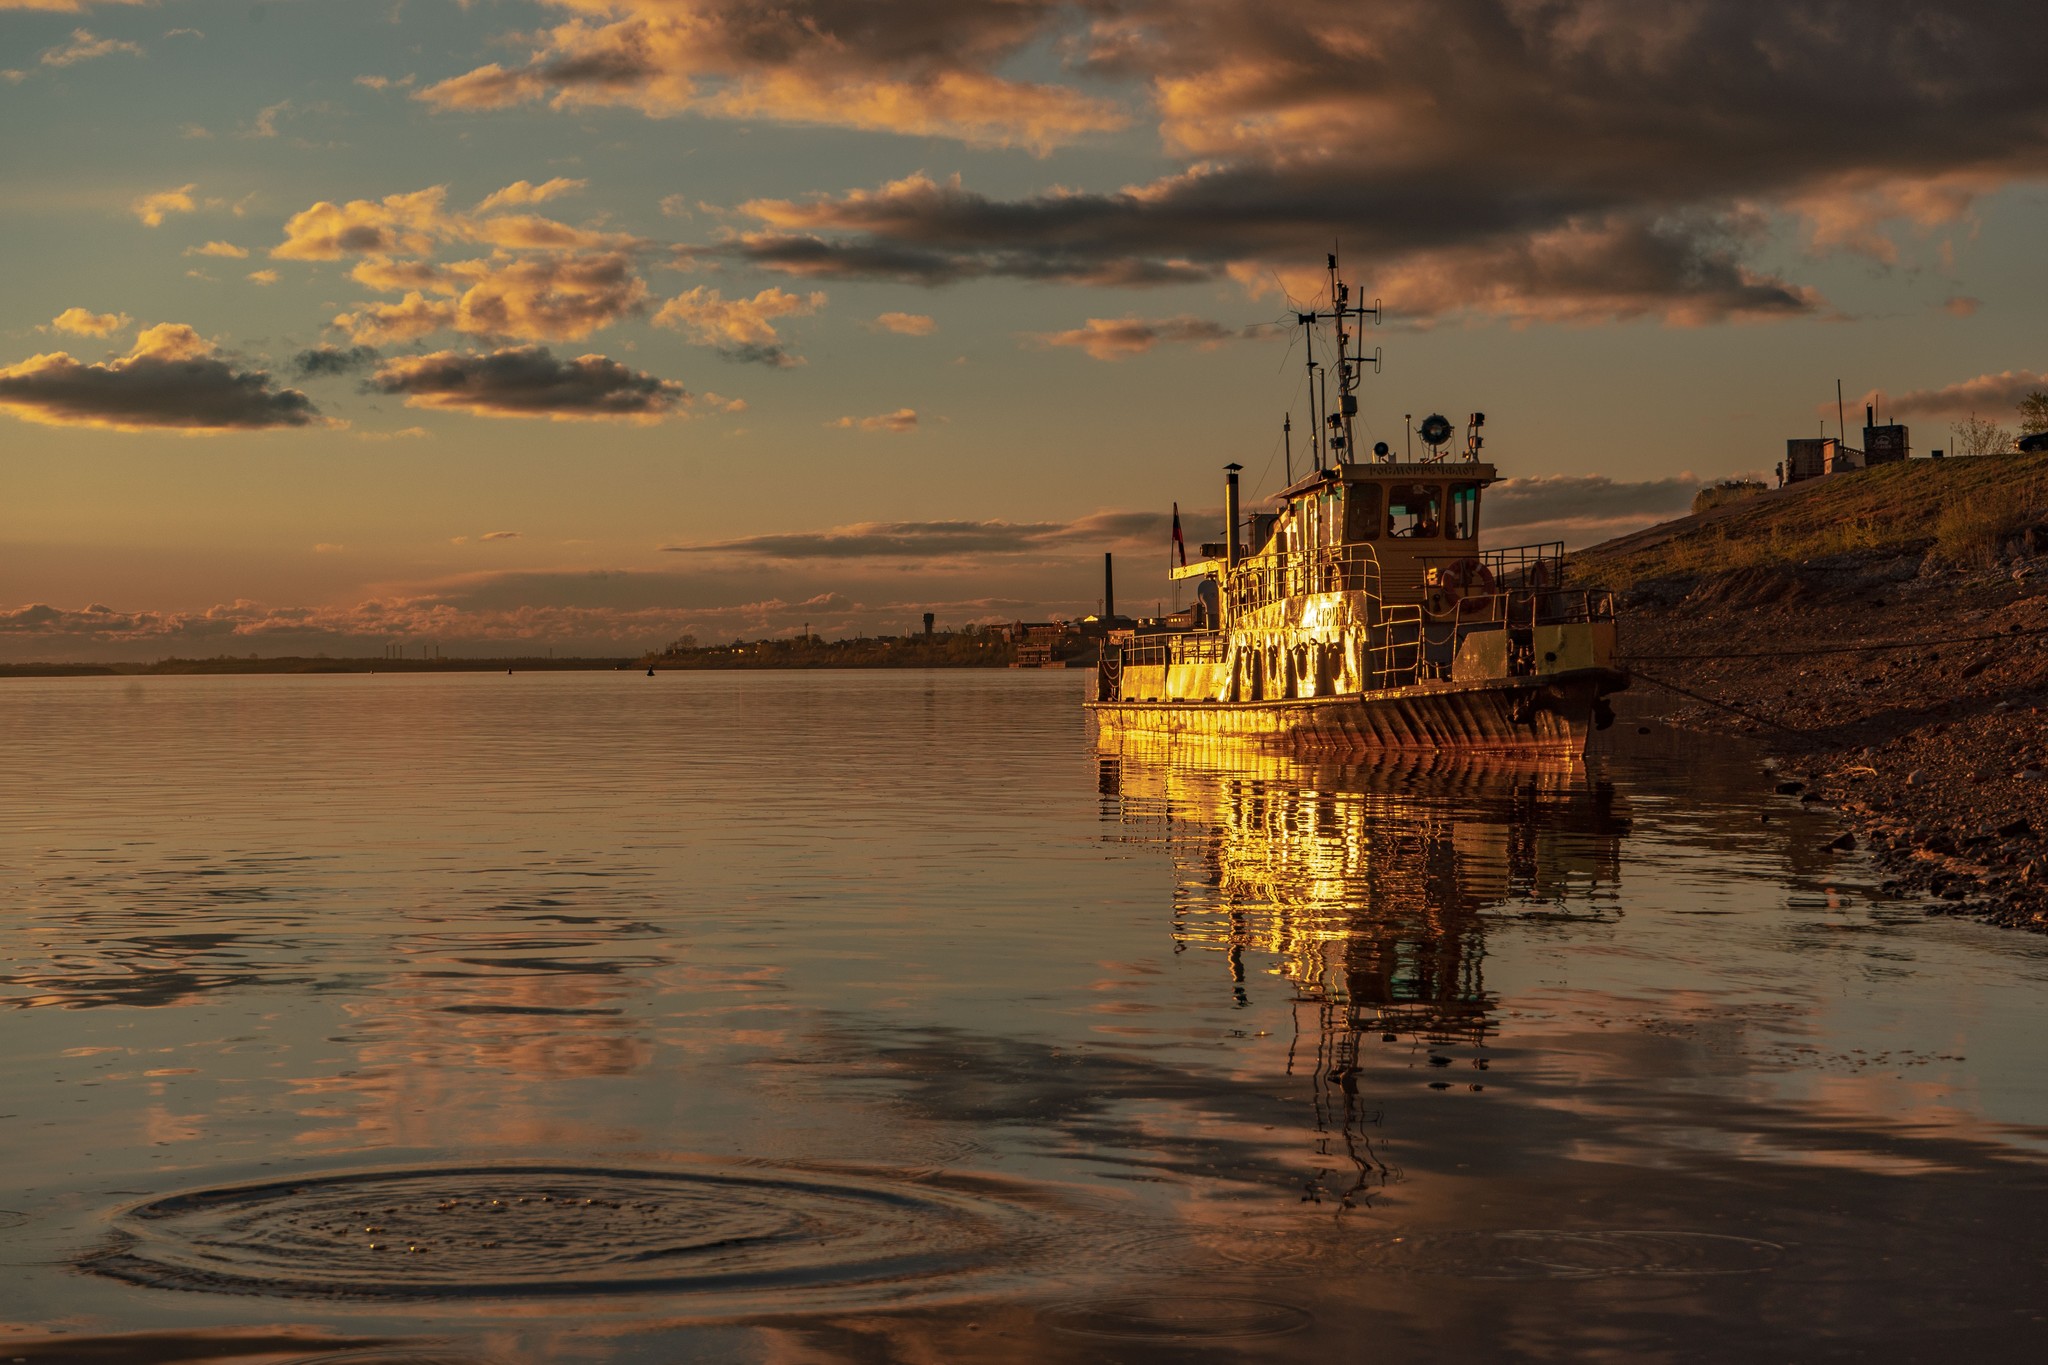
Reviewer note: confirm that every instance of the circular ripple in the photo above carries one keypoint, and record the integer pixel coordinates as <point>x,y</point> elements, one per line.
<point>1548,1253</point>
<point>1174,1317</point>
<point>1280,1251</point>
<point>562,1230</point>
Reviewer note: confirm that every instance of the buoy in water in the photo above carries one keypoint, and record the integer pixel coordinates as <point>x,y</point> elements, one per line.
<point>650,672</point>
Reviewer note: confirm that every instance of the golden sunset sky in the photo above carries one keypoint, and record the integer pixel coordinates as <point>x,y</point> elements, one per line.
<point>513,324</point>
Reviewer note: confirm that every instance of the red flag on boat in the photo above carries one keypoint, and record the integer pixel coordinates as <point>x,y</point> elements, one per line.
<point>1178,543</point>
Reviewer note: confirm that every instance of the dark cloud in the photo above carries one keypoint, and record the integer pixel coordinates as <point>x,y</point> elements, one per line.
<point>1516,502</point>
<point>809,255</point>
<point>1434,250</point>
<point>326,362</point>
<point>1580,508</point>
<point>1117,338</point>
<point>923,67</point>
<point>1545,159</point>
<point>1989,394</point>
<point>529,381</point>
<point>943,539</point>
<point>172,379</point>
<point>774,357</point>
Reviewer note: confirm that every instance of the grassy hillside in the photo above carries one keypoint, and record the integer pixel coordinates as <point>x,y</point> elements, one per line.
<point>1964,510</point>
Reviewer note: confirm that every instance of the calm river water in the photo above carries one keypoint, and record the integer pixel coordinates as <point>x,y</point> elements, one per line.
<point>878,1016</point>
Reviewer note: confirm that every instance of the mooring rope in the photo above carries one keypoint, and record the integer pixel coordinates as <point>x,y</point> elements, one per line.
<point>2010,634</point>
<point>1715,701</point>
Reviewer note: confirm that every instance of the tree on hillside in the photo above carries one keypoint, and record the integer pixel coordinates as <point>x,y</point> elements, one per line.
<point>1976,435</point>
<point>2034,412</point>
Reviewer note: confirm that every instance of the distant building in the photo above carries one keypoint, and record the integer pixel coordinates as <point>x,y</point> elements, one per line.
<point>1809,457</point>
<point>1886,444</point>
<point>1038,642</point>
<point>1813,457</point>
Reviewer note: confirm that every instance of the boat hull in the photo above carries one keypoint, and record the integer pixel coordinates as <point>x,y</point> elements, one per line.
<point>1549,713</point>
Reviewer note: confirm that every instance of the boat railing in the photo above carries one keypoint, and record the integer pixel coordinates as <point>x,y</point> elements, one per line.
<point>1331,568</point>
<point>1418,641</point>
<point>1181,647</point>
<point>1516,566</point>
<point>1521,607</point>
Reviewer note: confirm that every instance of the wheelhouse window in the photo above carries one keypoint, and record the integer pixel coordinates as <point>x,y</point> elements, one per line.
<point>1362,512</point>
<point>1415,511</point>
<point>1464,511</point>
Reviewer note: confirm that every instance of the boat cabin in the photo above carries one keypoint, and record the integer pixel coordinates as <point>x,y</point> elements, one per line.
<point>1414,517</point>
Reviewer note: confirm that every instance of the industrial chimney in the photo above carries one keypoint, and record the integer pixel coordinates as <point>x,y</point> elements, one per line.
<point>1230,515</point>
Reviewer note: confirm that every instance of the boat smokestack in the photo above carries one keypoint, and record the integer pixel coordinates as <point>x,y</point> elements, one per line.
<point>1108,587</point>
<point>1230,515</point>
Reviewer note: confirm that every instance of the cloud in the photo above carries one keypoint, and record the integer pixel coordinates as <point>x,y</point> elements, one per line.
<point>262,277</point>
<point>741,329</point>
<point>265,123</point>
<point>227,249</point>
<point>1987,393</point>
<point>547,281</point>
<point>902,66</point>
<point>905,324</point>
<point>529,381</point>
<point>81,322</point>
<point>397,224</point>
<point>326,362</point>
<point>868,578</point>
<point>1580,509</point>
<point>922,231</point>
<point>85,47</point>
<point>526,192</point>
<point>152,209</point>
<point>558,296</point>
<point>946,540</point>
<point>896,423</point>
<point>1120,338</point>
<point>1595,162</point>
<point>499,535</point>
<point>171,380</point>
<point>386,324</point>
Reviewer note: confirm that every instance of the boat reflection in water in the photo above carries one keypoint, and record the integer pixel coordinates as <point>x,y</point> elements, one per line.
<point>1366,885</point>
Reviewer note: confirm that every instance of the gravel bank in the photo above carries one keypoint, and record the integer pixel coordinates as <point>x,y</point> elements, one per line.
<point>1934,749</point>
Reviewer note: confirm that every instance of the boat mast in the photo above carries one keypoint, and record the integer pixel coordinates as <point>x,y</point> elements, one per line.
<point>1334,429</point>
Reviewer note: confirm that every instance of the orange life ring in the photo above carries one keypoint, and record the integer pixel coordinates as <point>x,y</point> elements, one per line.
<point>1456,582</point>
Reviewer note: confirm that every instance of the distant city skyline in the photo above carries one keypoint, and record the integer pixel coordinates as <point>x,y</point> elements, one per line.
<point>585,324</point>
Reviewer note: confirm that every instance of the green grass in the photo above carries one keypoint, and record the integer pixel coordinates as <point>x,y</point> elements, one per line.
<point>1962,509</point>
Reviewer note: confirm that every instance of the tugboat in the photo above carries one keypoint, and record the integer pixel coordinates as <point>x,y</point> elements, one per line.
<point>1360,613</point>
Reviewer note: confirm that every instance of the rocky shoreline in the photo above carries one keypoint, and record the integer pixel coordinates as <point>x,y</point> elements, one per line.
<point>1909,696</point>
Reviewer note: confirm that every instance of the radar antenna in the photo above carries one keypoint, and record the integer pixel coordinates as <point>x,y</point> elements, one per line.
<point>1334,433</point>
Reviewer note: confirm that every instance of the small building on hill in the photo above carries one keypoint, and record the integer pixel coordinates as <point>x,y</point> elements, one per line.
<point>1887,444</point>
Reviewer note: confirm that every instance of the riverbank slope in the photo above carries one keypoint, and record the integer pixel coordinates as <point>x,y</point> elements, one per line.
<point>1885,635</point>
